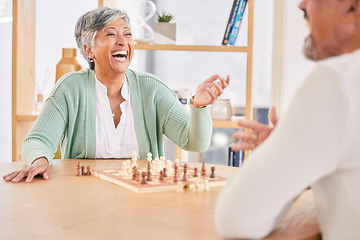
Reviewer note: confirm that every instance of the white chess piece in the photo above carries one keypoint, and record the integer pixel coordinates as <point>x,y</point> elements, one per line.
<point>134,155</point>
<point>206,185</point>
<point>124,169</point>
<point>149,157</point>
<point>179,188</point>
<point>169,166</point>
<point>197,185</point>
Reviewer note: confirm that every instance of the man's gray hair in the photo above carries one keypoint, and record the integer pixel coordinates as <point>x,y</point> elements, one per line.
<point>92,21</point>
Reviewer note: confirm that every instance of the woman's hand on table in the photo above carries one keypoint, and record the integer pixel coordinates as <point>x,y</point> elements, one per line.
<point>209,90</point>
<point>39,166</point>
<point>259,132</point>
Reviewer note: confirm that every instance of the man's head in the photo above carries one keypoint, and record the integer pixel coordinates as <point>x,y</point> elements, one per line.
<point>334,26</point>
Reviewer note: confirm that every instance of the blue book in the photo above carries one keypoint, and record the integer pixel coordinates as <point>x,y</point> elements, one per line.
<point>237,22</point>
<point>230,22</point>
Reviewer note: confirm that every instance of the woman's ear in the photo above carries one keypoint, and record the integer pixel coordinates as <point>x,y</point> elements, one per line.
<point>88,52</point>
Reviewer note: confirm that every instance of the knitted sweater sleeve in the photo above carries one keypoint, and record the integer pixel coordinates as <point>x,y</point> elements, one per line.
<point>298,153</point>
<point>192,130</point>
<point>45,135</point>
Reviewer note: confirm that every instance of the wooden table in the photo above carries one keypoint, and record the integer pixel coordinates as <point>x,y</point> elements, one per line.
<point>70,207</point>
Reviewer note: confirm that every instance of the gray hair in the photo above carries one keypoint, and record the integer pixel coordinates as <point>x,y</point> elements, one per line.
<point>92,21</point>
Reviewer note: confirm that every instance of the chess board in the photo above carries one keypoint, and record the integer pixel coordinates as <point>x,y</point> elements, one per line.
<point>114,175</point>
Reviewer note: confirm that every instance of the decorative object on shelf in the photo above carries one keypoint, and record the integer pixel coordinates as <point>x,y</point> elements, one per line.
<point>68,63</point>
<point>144,10</point>
<point>221,109</point>
<point>39,91</point>
<point>165,32</point>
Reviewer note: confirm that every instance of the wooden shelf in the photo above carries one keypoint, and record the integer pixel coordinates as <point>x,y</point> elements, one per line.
<point>225,124</point>
<point>26,117</point>
<point>173,47</point>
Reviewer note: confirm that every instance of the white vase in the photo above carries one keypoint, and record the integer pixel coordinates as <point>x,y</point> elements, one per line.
<point>165,33</point>
<point>221,109</point>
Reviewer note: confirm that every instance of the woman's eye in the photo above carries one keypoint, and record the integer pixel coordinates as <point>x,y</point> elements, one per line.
<point>128,34</point>
<point>110,34</point>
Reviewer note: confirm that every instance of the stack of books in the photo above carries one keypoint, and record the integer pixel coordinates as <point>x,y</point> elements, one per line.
<point>234,22</point>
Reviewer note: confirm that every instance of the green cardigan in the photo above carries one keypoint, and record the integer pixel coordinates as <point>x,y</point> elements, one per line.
<point>69,116</point>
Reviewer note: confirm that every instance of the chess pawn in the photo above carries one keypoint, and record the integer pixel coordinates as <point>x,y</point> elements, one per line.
<point>179,188</point>
<point>161,177</point>
<point>169,165</point>
<point>83,170</point>
<point>195,172</point>
<point>133,162</point>
<point>185,178</point>
<point>149,167</point>
<point>143,180</point>
<point>206,185</point>
<point>124,169</point>
<point>165,172</point>
<point>137,179</point>
<point>149,178</point>
<point>176,174</point>
<point>88,172</point>
<point>78,168</point>
<point>162,162</point>
<point>197,185</point>
<point>149,157</point>
<point>134,155</point>
<point>212,175</point>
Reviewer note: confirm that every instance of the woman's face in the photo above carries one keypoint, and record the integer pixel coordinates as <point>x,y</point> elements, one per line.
<point>113,48</point>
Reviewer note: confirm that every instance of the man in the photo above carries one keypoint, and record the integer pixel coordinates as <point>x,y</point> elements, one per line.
<point>316,142</point>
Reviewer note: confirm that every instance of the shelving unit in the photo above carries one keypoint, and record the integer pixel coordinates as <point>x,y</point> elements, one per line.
<point>23,63</point>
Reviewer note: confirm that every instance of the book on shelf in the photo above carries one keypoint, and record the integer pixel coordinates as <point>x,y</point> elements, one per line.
<point>235,159</point>
<point>230,22</point>
<point>237,22</point>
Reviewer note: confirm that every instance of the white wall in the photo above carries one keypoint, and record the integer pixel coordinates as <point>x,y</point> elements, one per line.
<point>296,67</point>
<point>5,79</point>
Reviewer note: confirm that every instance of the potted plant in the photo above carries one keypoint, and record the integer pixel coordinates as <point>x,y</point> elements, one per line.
<point>165,31</point>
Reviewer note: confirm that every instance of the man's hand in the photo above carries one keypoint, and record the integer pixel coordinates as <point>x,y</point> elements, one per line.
<point>39,166</point>
<point>257,134</point>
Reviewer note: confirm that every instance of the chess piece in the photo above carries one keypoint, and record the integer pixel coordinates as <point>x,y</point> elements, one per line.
<point>134,155</point>
<point>134,170</point>
<point>88,172</point>
<point>149,155</point>
<point>78,167</point>
<point>197,185</point>
<point>179,188</point>
<point>149,167</point>
<point>124,169</point>
<point>203,169</point>
<point>169,165</point>
<point>165,172</point>
<point>149,178</point>
<point>83,170</point>
<point>176,173</point>
<point>212,175</point>
<point>161,177</point>
<point>195,172</point>
<point>143,180</point>
<point>137,179</point>
<point>185,178</point>
<point>206,185</point>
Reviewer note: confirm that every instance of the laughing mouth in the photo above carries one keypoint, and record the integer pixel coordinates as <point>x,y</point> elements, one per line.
<point>121,55</point>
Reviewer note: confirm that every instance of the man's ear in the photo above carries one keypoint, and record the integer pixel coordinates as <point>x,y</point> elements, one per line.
<point>88,52</point>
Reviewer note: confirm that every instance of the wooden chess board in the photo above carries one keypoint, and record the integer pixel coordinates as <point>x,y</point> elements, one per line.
<point>114,175</point>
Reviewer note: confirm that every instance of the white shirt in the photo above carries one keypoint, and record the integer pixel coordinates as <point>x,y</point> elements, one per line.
<point>316,142</point>
<point>111,142</point>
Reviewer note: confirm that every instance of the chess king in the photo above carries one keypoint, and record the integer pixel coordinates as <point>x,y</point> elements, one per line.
<point>108,110</point>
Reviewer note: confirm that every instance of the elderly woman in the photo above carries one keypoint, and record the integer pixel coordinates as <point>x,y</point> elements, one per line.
<point>110,111</point>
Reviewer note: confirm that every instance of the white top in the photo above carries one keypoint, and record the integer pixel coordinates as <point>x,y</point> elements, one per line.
<point>111,142</point>
<point>316,142</point>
